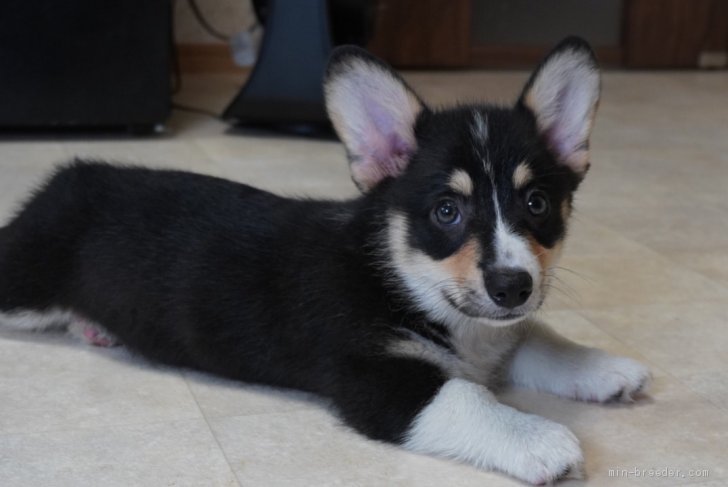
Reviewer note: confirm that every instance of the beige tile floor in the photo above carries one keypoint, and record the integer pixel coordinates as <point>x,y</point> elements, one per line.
<point>647,276</point>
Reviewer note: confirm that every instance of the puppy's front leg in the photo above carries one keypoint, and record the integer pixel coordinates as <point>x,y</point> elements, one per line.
<point>465,421</point>
<point>412,403</point>
<point>548,362</point>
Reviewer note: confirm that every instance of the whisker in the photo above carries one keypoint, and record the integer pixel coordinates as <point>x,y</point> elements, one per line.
<point>573,272</point>
<point>565,285</point>
<point>575,299</point>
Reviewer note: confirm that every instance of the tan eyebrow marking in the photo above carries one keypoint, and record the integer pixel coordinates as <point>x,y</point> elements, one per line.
<point>522,175</point>
<point>461,183</point>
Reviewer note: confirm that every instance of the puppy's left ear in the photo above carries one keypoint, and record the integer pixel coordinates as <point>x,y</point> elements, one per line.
<point>563,94</point>
<point>374,113</point>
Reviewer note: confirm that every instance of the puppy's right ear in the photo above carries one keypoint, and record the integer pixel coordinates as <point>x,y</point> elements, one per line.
<point>374,113</point>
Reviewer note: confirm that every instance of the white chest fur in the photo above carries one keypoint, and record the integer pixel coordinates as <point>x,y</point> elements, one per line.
<point>482,351</point>
<point>478,353</point>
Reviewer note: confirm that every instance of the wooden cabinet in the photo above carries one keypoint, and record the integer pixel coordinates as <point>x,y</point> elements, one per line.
<point>652,34</point>
<point>673,33</point>
<point>422,33</point>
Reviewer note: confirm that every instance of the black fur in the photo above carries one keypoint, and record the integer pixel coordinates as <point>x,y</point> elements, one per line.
<point>195,271</point>
<point>200,272</point>
<point>447,143</point>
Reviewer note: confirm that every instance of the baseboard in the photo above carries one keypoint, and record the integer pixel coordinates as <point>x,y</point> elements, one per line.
<point>216,58</point>
<point>207,58</point>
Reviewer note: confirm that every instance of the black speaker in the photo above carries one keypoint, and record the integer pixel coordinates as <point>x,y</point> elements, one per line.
<point>284,90</point>
<point>85,63</point>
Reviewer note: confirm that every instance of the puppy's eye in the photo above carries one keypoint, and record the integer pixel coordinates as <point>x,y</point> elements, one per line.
<point>446,212</point>
<point>538,203</point>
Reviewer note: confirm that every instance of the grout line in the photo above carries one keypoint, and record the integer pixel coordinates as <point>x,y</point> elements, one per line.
<point>696,483</point>
<point>685,381</point>
<point>212,432</point>
<point>105,427</point>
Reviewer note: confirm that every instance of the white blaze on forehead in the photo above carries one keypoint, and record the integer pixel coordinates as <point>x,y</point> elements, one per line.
<point>522,175</point>
<point>460,182</point>
<point>479,128</point>
<point>479,131</point>
<point>513,250</point>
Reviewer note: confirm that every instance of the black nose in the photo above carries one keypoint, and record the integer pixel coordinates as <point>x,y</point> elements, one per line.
<point>508,287</point>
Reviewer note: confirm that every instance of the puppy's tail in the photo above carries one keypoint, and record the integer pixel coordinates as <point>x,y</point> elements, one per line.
<point>35,320</point>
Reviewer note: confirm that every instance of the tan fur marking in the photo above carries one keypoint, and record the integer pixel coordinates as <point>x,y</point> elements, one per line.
<point>463,264</point>
<point>546,257</point>
<point>565,210</point>
<point>522,175</point>
<point>460,182</point>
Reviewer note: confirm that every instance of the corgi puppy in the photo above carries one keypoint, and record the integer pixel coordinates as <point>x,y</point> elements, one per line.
<point>406,307</point>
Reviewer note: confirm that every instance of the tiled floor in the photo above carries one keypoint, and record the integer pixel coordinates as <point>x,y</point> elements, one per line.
<point>646,275</point>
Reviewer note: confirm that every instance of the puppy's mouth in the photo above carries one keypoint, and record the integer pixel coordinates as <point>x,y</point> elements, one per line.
<point>466,306</point>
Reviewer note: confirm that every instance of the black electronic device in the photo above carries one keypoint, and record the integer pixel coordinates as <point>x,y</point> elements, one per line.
<point>284,90</point>
<point>85,63</point>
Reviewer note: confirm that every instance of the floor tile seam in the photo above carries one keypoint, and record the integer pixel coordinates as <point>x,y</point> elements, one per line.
<point>214,436</point>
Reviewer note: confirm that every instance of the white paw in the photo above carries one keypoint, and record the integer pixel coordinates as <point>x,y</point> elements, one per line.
<point>542,451</point>
<point>607,377</point>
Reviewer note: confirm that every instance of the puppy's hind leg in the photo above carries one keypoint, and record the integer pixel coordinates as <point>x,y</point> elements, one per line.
<point>30,320</point>
<point>28,292</point>
<point>92,333</point>
<point>25,300</point>
<point>37,257</point>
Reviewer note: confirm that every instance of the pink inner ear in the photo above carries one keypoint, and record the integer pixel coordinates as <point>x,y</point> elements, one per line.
<point>560,141</point>
<point>385,143</point>
<point>392,154</point>
<point>556,134</point>
<point>565,135</point>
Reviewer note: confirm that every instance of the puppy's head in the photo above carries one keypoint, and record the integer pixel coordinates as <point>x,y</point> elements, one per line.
<point>476,197</point>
